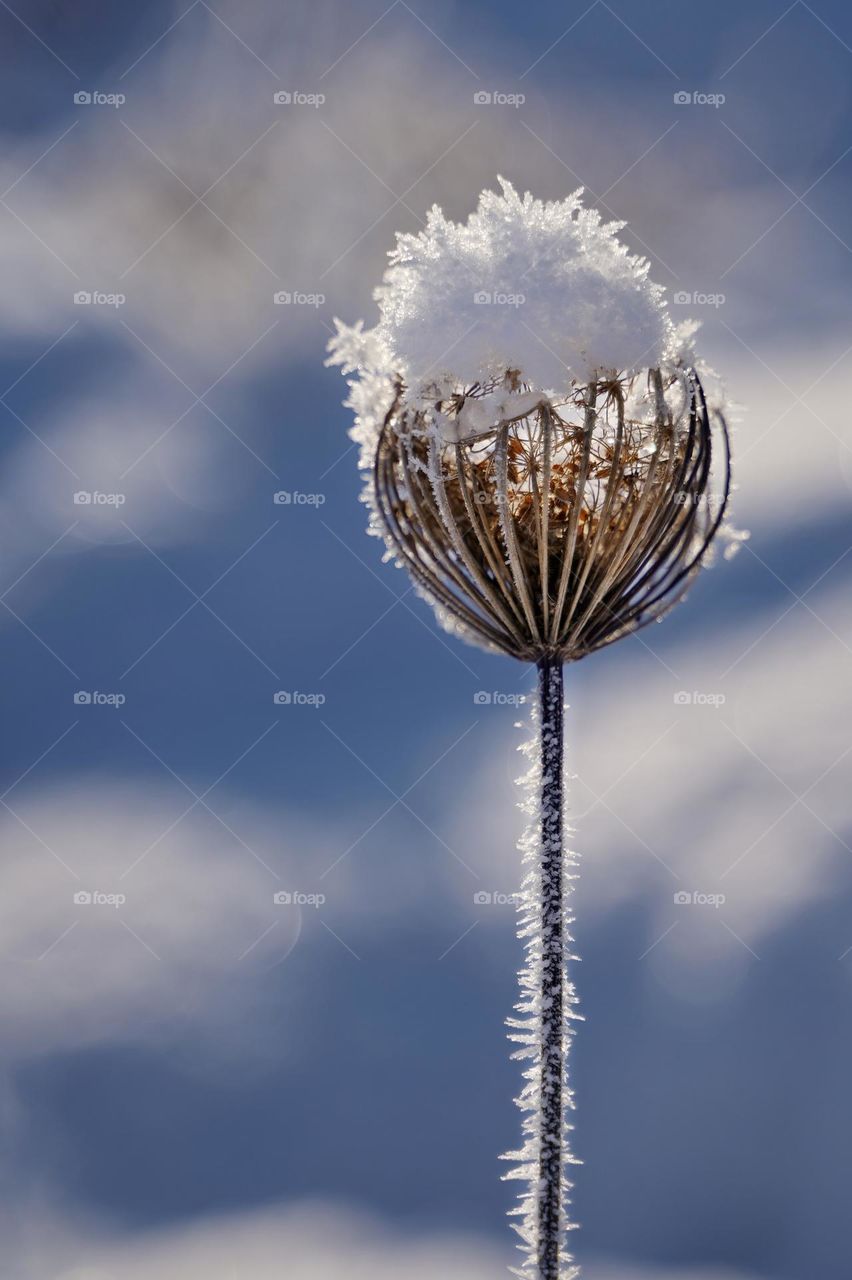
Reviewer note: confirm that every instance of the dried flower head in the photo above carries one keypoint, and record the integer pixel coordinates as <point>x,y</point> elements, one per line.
<point>538,448</point>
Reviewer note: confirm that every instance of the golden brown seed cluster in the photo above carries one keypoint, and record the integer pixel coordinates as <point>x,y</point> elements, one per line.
<point>558,531</point>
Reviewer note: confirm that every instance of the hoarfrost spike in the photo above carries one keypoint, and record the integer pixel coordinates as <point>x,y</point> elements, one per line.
<point>546,1007</point>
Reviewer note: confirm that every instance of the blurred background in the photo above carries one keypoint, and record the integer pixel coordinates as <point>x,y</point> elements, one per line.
<point>258,812</point>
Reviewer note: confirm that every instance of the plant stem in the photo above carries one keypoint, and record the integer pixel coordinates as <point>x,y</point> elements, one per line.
<point>553,977</point>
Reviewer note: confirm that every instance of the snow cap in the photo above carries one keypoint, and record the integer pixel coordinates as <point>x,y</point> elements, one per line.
<point>540,287</point>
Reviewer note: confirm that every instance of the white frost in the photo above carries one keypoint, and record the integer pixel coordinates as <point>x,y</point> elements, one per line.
<point>542,287</point>
<point>525,1029</point>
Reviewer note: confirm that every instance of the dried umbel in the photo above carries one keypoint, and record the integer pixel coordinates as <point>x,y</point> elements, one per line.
<point>557,530</point>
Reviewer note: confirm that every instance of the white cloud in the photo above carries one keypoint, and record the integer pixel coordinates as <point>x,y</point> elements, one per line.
<point>309,1241</point>
<point>313,203</point>
<point>315,200</point>
<point>792,457</point>
<point>669,798</point>
<point>103,464</point>
<point>186,948</point>
<point>697,797</point>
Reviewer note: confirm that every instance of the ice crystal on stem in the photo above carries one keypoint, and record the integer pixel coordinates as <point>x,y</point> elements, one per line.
<point>544,453</point>
<point>546,1008</point>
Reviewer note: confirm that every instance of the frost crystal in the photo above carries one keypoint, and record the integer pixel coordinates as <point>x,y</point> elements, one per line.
<point>542,287</point>
<point>547,1007</point>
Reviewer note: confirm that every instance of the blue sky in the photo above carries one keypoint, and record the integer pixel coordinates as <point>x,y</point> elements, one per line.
<point>199,1079</point>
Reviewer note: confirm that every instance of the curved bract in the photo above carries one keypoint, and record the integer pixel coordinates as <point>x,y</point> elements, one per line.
<point>555,532</point>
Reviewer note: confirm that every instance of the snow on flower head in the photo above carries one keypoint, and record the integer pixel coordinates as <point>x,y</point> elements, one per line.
<point>529,308</point>
<point>542,288</point>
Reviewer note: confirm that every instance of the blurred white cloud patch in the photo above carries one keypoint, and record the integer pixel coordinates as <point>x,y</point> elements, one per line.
<point>176,220</point>
<point>711,789</point>
<point>104,464</point>
<point>189,210</point>
<point>138,465</point>
<point>308,1241</point>
<point>202,197</point>
<point>126,918</point>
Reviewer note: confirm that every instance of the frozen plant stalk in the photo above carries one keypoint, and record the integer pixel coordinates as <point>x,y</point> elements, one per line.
<point>547,997</point>
<point>543,454</point>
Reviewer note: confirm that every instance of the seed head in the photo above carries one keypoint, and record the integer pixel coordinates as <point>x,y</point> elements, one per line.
<point>538,446</point>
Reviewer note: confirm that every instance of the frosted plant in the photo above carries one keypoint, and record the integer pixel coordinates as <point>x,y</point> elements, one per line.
<point>544,454</point>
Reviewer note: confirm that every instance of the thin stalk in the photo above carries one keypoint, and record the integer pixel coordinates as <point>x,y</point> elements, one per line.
<point>553,974</point>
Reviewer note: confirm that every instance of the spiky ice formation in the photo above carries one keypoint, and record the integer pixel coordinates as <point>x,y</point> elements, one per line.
<point>546,1009</point>
<point>543,287</point>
